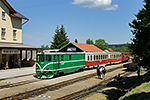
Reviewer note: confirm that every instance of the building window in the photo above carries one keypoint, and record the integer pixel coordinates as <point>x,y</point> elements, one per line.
<point>3,16</point>
<point>3,34</point>
<point>14,35</point>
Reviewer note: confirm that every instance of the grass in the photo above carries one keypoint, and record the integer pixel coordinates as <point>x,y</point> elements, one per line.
<point>135,88</point>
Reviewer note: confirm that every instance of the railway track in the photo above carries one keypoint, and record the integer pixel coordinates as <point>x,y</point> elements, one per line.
<point>18,84</point>
<point>85,92</point>
<point>31,81</point>
<point>39,91</point>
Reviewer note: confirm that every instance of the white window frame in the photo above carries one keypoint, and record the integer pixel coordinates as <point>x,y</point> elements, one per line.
<point>3,32</point>
<point>3,15</point>
<point>14,34</point>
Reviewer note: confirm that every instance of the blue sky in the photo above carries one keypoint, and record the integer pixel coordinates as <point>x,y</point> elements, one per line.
<point>83,19</point>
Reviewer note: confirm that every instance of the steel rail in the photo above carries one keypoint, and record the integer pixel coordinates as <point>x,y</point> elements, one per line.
<point>18,83</point>
<point>82,93</point>
<point>41,90</point>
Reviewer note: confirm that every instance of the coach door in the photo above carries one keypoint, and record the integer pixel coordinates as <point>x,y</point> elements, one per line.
<point>56,62</point>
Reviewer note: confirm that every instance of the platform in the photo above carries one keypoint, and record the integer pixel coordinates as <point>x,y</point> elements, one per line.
<point>16,72</point>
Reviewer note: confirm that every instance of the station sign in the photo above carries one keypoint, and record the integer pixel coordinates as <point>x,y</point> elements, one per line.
<point>10,52</point>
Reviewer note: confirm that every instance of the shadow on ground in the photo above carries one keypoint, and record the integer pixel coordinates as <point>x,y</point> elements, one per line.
<point>123,85</point>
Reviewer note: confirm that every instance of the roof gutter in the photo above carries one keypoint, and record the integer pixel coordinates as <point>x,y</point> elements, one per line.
<point>25,21</point>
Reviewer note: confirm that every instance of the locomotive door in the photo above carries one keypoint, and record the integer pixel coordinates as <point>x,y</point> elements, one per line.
<point>56,64</point>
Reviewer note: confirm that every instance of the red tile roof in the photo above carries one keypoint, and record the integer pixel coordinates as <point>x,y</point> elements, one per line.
<point>87,47</point>
<point>110,49</point>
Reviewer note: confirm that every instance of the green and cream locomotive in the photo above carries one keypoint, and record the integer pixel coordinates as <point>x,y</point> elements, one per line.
<point>50,64</point>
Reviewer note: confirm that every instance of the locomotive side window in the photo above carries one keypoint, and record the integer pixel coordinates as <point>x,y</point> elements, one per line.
<point>57,57</point>
<point>38,58</point>
<point>48,57</point>
<point>54,57</point>
<point>69,57</point>
<point>62,57</point>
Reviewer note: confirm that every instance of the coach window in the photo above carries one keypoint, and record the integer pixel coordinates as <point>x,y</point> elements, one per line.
<point>91,57</point>
<point>101,56</point>
<point>88,58</point>
<point>114,56</point>
<point>48,57</point>
<point>69,57</point>
<point>94,57</point>
<point>62,57</point>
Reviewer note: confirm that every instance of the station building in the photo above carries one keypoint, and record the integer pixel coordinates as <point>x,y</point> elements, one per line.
<point>11,47</point>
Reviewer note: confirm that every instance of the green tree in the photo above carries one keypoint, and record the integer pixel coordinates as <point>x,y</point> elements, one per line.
<point>60,38</point>
<point>140,46</point>
<point>89,41</point>
<point>44,48</point>
<point>76,41</point>
<point>100,43</point>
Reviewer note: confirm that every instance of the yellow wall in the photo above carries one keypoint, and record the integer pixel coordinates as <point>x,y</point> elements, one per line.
<point>0,58</point>
<point>10,24</point>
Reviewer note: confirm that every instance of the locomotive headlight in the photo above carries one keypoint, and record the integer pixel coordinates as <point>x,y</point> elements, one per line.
<point>47,68</point>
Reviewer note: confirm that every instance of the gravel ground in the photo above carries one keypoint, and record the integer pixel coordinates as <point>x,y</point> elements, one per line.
<point>72,88</point>
<point>31,86</point>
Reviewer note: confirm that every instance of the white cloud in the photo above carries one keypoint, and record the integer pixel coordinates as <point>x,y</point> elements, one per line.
<point>96,4</point>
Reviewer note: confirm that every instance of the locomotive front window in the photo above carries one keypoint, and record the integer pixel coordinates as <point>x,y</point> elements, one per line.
<point>38,58</point>
<point>42,59</point>
<point>48,58</point>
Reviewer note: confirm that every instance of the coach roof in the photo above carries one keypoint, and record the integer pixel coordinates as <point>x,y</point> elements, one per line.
<point>82,47</point>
